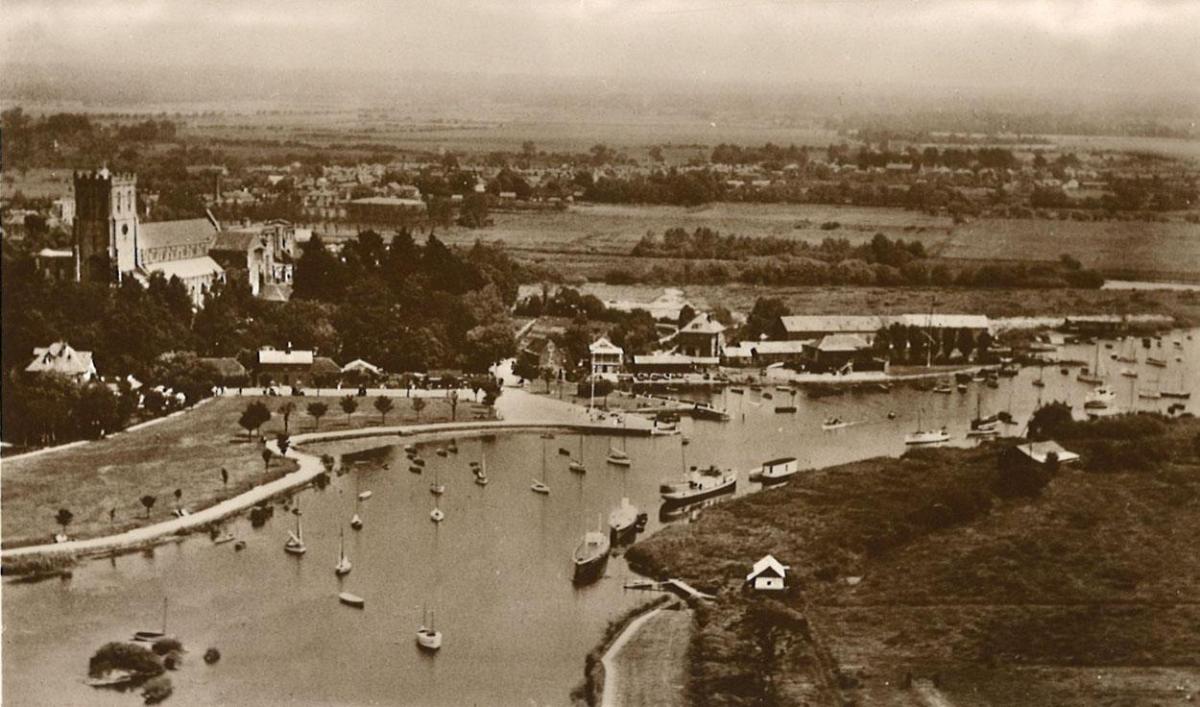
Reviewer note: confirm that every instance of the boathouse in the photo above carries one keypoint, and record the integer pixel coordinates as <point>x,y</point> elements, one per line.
<point>768,574</point>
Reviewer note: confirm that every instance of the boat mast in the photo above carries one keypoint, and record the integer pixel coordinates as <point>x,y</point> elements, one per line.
<point>164,625</point>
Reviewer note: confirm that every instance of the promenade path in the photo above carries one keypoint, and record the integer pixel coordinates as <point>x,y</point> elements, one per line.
<point>647,663</point>
<point>522,411</point>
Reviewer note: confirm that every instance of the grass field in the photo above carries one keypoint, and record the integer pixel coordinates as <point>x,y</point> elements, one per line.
<point>1084,594</point>
<point>186,452</point>
<point>589,238</point>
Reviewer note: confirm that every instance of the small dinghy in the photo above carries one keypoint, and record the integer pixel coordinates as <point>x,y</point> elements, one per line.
<point>353,600</point>
<point>834,423</point>
<point>436,515</point>
<point>419,462</point>
<point>224,538</point>
<point>539,487</point>
<point>239,545</point>
<point>364,495</point>
<point>343,566</point>
<point>577,466</point>
<point>443,453</point>
<point>481,480</point>
<point>564,452</point>
<point>453,447</point>
<point>356,522</point>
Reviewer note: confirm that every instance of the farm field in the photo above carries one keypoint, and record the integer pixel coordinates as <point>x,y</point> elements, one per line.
<point>1165,249</point>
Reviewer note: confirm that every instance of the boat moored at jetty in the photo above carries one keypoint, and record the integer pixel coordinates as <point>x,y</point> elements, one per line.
<point>699,485</point>
<point>590,557</point>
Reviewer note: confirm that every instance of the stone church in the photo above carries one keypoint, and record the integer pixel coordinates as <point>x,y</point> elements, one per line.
<point>111,242</point>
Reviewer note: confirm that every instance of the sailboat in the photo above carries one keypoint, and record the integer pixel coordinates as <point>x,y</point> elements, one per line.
<point>436,515</point>
<point>437,488</point>
<point>920,436</point>
<point>1100,398</point>
<point>539,485</point>
<point>343,566</point>
<point>428,637</point>
<point>295,541</point>
<point>1040,381</point>
<point>576,464</point>
<point>1151,393</point>
<point>150,636</point>
<point>983,426</point>
<point>1180,392</point>
<point>480,471</point>
<point>618,457</point>
<point>1092,376</point>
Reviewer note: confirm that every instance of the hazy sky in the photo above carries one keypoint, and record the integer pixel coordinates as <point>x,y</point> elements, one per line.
<point>1077,44</point>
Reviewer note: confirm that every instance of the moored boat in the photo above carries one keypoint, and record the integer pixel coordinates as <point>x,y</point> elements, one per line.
<point>622,522</point>
<point>590,557</point>
<point>775,471</point>
<point>1100,398</point>
<point>352,600</point>
<point>699,485</point>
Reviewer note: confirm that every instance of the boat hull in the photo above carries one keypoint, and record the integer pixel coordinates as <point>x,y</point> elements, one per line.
<point>589,570</point>
<point>684,497</point>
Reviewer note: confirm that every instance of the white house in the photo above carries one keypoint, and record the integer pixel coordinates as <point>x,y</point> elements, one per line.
<point>60,358</point>
<point>768,574</point>
<point>607,357</point>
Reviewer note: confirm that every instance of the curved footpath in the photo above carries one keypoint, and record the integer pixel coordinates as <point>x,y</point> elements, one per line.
<point>309,467</point>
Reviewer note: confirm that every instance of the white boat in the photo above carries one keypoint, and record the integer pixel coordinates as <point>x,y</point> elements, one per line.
<point>428,637</point>
<point>927,437</point>
<point>151,636</point>
<point>920,436</point>
<point>622,522</point>
<point>481,480</point>
<point>698,485</point>
<point>364,495</point>
<point>479,469</point>
<point>617,457</point>
<point>834,423</point>
<point>1092,376</point>
<point>295,541</point>
<point>353,600</point>
<point>436,515</point>
<point>1179,392</point>
<point>356,522</point>
<point>437,488</point>
<point>343,566</point>
<point>576,464</point>
<point>944,389</point>
<point>775,470</point>
<point>1100,398</point>
<point>539,485</point>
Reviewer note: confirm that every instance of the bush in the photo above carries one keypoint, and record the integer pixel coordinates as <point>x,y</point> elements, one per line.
<point>167,645</point>
<point>212,655</point>
<point>130,657</point>
<point>157,690</point>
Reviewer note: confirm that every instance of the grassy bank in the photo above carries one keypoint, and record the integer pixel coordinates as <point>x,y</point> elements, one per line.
<point>186,452</point>
<point>589,692</point>
<point>928,566</point>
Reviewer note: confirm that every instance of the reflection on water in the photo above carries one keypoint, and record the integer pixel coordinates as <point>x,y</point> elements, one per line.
<point>497,571</point>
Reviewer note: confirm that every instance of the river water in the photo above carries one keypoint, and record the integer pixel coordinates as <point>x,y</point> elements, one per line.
<point>496,572</point>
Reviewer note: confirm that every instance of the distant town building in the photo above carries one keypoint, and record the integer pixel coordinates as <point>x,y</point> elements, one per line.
<point>60,358</point>
<point>293,367</point>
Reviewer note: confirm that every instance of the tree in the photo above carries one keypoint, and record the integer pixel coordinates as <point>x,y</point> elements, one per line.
<point>418,406</point>
<point>348,405</point>
<point>764,318</point>
<point>384,405</point>
<point>224,476</point>
<point>286,410</point>
<point>775,627</point>
<point>148,502</point>
<point>317,411</point>
<point>178,498</point>
<point>64,518</point>
<point>254,416</point>
<point>266,457</point>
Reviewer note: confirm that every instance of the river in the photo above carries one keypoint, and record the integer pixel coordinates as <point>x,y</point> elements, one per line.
<point>496,572</point>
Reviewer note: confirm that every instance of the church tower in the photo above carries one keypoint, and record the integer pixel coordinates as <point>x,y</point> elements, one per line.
<point>106,225</point>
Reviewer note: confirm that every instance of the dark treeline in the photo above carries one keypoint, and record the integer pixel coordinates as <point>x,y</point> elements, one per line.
<point>405,307</point>
<point>708,244</point>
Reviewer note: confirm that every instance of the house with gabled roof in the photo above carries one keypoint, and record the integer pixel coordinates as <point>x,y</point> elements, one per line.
<point>60,358</point>
<point>768,574</point>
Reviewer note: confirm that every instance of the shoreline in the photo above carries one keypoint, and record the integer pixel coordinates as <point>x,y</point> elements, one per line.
<point>309,467</point>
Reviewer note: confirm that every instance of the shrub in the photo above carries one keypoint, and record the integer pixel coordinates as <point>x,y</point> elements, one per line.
<point>131,657</point>
<point>212,655</point>
<point>157,690</point>
<point>167,645</point>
